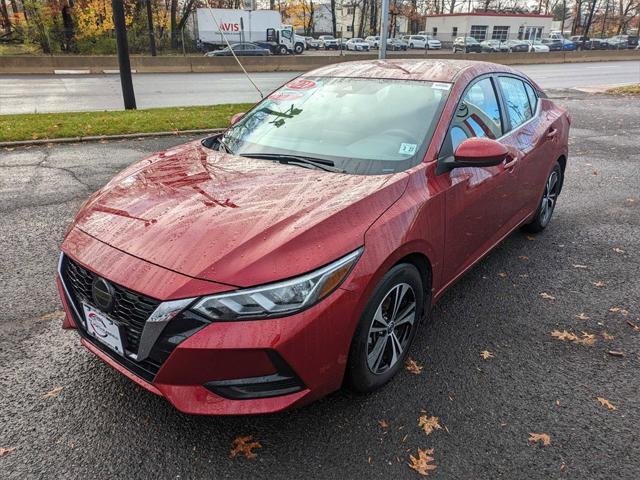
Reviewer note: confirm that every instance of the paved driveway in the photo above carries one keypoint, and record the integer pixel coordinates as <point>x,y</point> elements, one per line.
<point>101,425</point>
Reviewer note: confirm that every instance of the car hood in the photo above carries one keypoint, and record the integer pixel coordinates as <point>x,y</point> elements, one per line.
<point>235,220</point>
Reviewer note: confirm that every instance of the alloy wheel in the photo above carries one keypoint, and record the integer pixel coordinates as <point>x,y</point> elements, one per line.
<point>551,190</point>
<point>391,329</point>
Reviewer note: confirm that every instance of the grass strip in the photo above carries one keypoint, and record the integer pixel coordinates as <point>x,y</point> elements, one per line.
<point>45,126</point>
<point>626,90</point>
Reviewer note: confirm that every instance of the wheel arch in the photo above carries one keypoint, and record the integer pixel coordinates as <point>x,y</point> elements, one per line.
<point>562,160</point>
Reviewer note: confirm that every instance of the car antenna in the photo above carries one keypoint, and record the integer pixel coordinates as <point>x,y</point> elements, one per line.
<point>234,54</point>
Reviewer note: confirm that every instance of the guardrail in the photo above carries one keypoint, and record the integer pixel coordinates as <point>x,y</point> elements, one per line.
<point>13,65</point>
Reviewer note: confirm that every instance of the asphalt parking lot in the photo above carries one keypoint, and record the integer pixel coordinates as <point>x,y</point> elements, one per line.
<point>94,423</point>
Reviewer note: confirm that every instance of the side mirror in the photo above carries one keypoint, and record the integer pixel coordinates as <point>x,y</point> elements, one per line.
<point>236,118</point>
<point>479,152</point>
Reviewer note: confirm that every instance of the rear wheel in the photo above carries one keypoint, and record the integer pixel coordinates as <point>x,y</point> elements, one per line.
<point>548,202</point>
<point>282,50</point>
<point>386,330</point>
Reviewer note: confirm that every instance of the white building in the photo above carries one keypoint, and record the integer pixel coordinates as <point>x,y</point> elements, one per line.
<point>487,26</point>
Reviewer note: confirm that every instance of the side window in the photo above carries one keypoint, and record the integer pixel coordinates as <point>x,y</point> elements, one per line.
<point>478,115</point>
<point>516,100</point>
<point>533,98</point>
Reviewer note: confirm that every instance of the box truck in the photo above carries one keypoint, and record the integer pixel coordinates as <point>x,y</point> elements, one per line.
<point>263,27</point>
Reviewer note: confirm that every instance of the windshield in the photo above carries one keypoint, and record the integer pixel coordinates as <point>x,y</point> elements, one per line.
<point>363,126</point>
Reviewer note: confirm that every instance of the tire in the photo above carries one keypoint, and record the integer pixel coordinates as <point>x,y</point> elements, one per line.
<point>298,48</point>
<point>411,45</point>
<point>548,202</point>
<point>282,50</point>
<point>374,357</point>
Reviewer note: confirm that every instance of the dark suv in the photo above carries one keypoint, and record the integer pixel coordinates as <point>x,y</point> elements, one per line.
<point>466,45</point>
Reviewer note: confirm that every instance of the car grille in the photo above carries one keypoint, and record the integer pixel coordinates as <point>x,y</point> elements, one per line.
<point>130,309</point>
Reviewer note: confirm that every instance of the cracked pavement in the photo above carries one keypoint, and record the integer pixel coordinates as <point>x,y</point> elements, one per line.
<point>101,425</point>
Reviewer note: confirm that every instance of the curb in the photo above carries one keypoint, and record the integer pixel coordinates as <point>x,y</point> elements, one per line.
<point>97,138</point>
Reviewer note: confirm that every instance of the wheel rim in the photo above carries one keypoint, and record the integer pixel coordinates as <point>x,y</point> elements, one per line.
<point>549,197</point>
<point>391,329</point>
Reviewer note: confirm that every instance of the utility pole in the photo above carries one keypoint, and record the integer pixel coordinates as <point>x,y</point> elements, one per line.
<point>123,55</point>
<point>382,52</point>
<point>152,38</point>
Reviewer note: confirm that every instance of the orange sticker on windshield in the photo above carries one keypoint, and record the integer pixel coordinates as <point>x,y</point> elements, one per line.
<point>301,84</point>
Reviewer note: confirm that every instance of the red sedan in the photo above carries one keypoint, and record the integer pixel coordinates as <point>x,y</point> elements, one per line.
<point>301,249</point>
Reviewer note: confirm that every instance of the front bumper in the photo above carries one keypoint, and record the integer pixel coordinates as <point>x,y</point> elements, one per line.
<point>223,368</point>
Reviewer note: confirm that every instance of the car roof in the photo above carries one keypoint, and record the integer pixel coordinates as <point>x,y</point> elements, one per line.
<point>442,70</point>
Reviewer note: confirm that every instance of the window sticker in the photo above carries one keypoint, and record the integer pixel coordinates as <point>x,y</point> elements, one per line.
<point>285,96</point>
<point>441,86</point>
<point>407,148</point>
<point>301,84</point>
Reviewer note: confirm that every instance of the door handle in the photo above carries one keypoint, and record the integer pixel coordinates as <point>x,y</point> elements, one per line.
<point>552,132</point>
<point>510,162</point>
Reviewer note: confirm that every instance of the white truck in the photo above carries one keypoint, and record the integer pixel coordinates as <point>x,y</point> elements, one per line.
<point>263,27</point>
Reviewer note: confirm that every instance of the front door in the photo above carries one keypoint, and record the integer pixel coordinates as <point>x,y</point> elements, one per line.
<point>477,211</point>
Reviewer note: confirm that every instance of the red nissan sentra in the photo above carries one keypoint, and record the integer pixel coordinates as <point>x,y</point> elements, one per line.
<point>300,251</point>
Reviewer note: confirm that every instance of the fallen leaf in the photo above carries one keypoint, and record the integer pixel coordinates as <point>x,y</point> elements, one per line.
<point>383,424</point>
<point>619,310</point>
<point>580,266</point>
<point>486,354</point>
<point>606,336</point>
<point>6,451</point>
<point>429,424</point>
<point>582,316</point>
<point>244,445</point>
<point>424,463</point>
<point>53,393</point>
<point>502,274</point>
<point>618,250</point>
<point>412,366</point>
<point>523,257</point>
<point>587,338</point>
<point>51,316</point>
<point>530,238</point>
<point>606,403</point>
<point>544,438</point>
<point>547,296</point>
<point>599,284</point>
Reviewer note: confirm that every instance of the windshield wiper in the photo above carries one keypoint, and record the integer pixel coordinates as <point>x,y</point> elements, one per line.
<point>327,165</point>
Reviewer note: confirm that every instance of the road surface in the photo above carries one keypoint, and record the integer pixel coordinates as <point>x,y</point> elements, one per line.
<point>101,425</point>
<point>67,93</point>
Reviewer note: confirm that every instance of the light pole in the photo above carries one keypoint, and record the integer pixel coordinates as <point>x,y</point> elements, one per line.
<point>382,53</point>
<point>123,55</point>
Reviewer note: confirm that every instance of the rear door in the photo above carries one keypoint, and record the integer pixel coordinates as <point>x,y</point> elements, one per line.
<point>531,134</point>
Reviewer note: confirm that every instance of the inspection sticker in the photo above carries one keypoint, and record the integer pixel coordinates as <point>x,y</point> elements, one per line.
<point>442,86</point>
<point>407,148</point>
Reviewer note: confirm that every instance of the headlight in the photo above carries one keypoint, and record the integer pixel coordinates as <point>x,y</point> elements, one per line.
<point>278,299</point>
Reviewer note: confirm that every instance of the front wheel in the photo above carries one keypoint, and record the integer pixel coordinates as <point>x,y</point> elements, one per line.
<point>298,48</point>
<point>386,330</point>
<point>548,202</point>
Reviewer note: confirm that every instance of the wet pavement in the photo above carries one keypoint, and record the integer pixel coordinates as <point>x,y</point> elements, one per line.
<point>101,425</point>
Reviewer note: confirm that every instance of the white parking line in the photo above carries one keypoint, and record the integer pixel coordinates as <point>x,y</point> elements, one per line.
<point>71,72</point>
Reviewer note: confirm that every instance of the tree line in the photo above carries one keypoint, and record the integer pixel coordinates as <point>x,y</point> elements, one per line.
<point>86,26</point>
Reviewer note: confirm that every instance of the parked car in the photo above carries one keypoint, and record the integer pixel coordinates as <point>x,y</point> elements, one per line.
<point>493,46</point>
<point>423,41</point>
<point>536,46</point>
<point>329,42</point>
<point>517,45</point>
<point>312,43</point>
<point>357,44</point>
<point>265,267</point>
<point>240,49</point>
<point>434,43</point>
<point>373,41</point>
<point>568,45</point>
<point>623,41</point>
<point>466,45</point>
<point>397,44</point>
<point>554,44</point>
<point>583,43</point>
